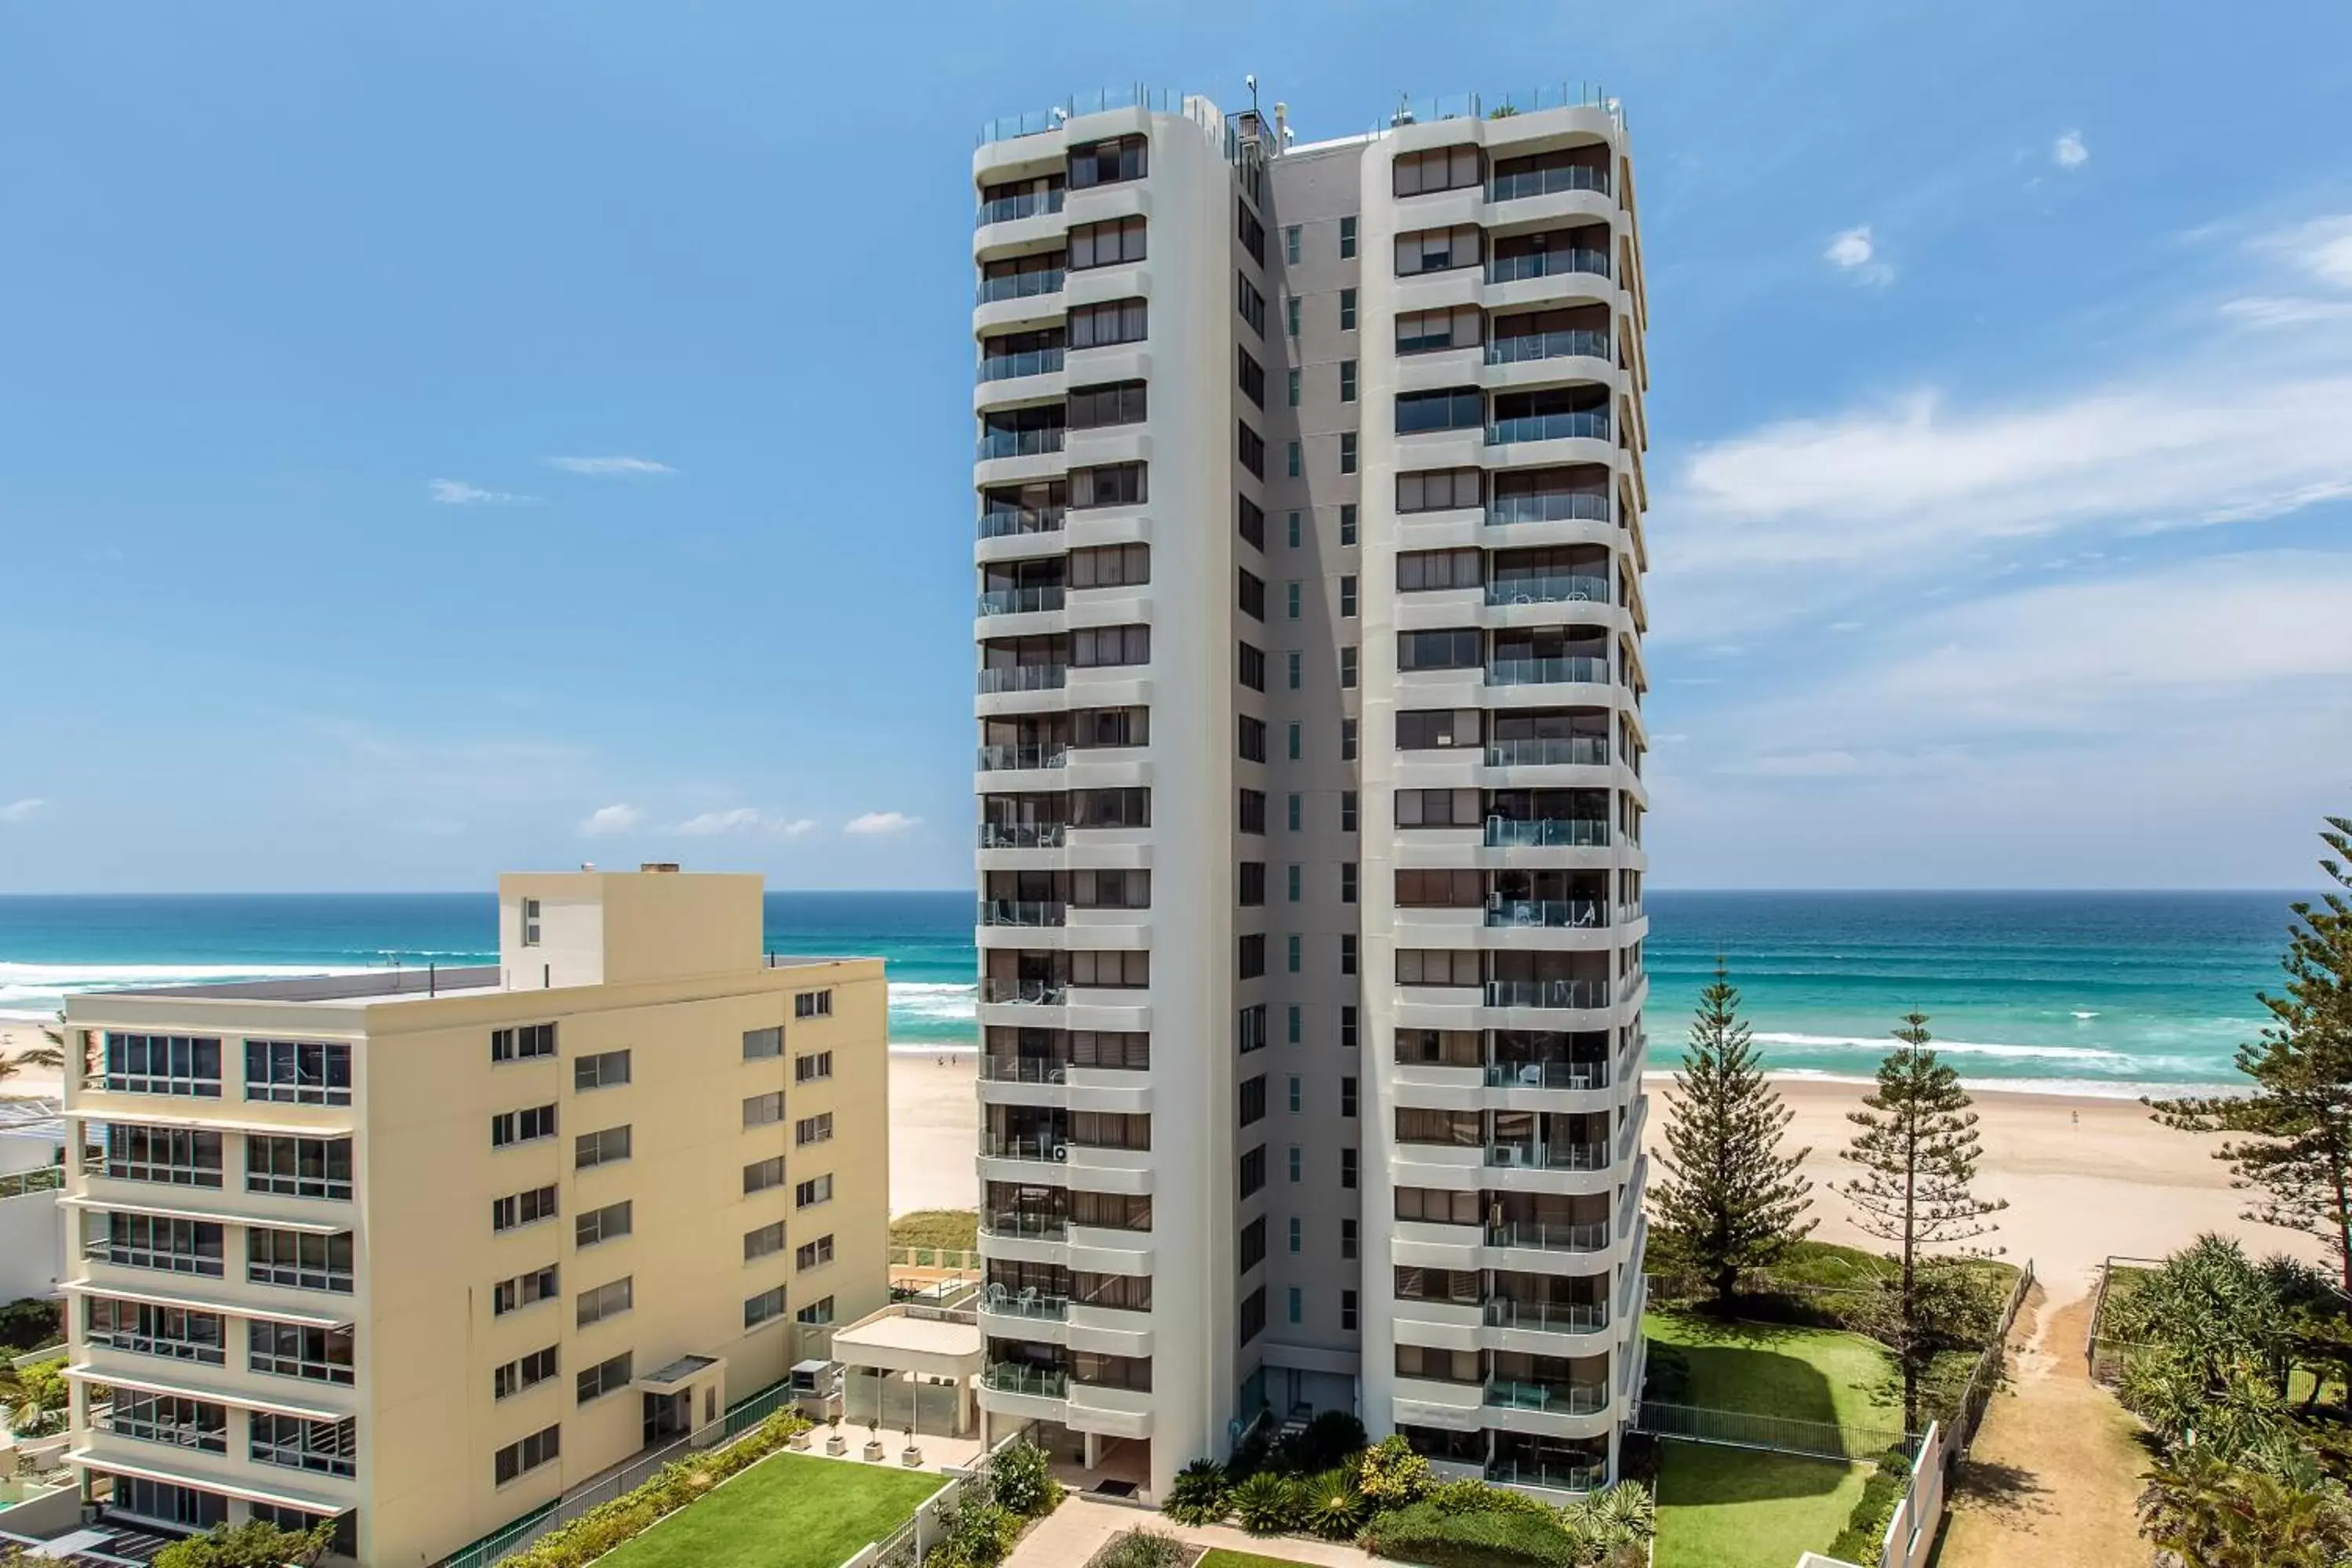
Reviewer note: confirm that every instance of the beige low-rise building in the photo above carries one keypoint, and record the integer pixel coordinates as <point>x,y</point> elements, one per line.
<point>422,1251</point>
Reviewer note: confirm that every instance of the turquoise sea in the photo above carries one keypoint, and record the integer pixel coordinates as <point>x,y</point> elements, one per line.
<point>2084,992</point>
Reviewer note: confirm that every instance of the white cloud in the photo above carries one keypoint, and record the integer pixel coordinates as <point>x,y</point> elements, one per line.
<point>607,820</point>
<point>2323,248</point>
<point>610,466</point>
<point>798,826</point>
<point>877,823</point>
<point>457,493</point>
<point>745,819</point>
<point>2068,151</point>
<point>1854,251</point>
<point>23,810</point>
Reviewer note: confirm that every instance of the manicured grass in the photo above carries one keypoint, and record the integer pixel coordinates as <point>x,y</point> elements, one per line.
<point>1221,1558</point>
<point>1732,1507</point>
<point>957,1229</point>
<point>1774,1369</point>
<point>790,1510</point>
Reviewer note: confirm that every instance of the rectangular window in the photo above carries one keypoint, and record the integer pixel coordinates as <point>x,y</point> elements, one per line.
<point>1346,595</point>
<point>1347,238</point>
<point>1438,168</point>
<point>812,1130</point>
<point>606,1069</point>
<point>1290,388</point>
<point>1294,667</point>
<point>298,1072</point>
<point>1346,1238</point>
<point>1290,315</point>
<point>1347,380</point>
<point>1347,310</point>
<point>762,1174</point>
<point>1250,231</point>
<point>1347,739</point>
<point>1251,1321</point>
<point>759,1045</point>
<point>1251,521</point>
<point>1294,459</point>
<point>171,1245</point>
<point>1347,669</point>
<point>1438,249</point>
<point>813,1192</point>
<point>1106,244</point>
<point>1296,1165</point>
<point>174,1334</point>
<point>1291,875</point>
<point>176,1156</point>
<point>1253,1100</point>
<point>1251,304</point>
<point>531,923</point>
<point>1251,883</point>
<point>1292,806</point>
<point>517,1458</point>
<point>1346,1028</point>
<point>1250,962</point>
<point>1253,1170</point>
<point>1297,1097</point>
<point>1297,1303</point>
<point>1458,649</point>
<point>1290,244</point>
<point>1250,595</point>
<point>603,1148</point>
<point>164,1063</point>
<point>1294,530</point>
<point>1102,407</point>
<point>1253,377</point>
<point>1105,647</point>
<point>812,1004</point>
<point>810,1067</point>
<point>764,1110</point>
<point>509,1127</point>
<point>1347,451</point>
<point>1106,325</point>
<point>1291,600</point>
<point>1252,744</point>
<point>1346,1096</point>
<point>1347,954</point>
<point>300,1260</point>
<point>1347,882</point>
<point>1294,1022</point>
<point>1348,811</point>
<point>813,1253</point>
<point>608,1300</point>
<point>1293,732</point>
<point>518,1209</point>
<point>765,1307</point>
<point>1348,1302</point>
<point>321,1448</point>
<point>1443,408</point>
<point>1438,489</point>
<point>1253,1246</point>
<point>610,1222</point>
<point>1251,811</point>
<point>763,1242</point>
<point>1107,162</point>
<point>1347,1169</point>
<point>1292,950</point>
<point>606,1377</point>
<point>300,1167</point>
<point>530,1042</point>
<point>525,1371</point>
<point>816,1313</point>
<point>523,1290</point>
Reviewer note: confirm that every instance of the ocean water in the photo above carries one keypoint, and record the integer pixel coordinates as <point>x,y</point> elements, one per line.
<point>2106,992</point>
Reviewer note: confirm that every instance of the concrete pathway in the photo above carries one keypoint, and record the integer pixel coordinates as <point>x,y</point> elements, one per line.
<point>1077,1530</point>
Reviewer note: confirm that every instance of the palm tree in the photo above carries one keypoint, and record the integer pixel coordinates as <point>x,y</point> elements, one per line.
<point>2210,1515</point>
<point>50,1053</point>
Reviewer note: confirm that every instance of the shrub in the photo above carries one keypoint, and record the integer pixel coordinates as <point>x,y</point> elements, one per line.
<point>1201,1494</point>
<point>979,1536</point>
<point>1269,1504</point>
<point>30,1324</point>
<point>1334,1505</point>
<point>1391,1475</point>
<point>1477,1497</point>
<point>1483,1538</point>
<point>254,1544</point>
<point>1867,1524</point>
<point>1022,1481</point>
<point>1139,1548</point>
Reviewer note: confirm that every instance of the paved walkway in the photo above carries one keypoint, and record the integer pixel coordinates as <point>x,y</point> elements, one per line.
<point>2055,1475</point>
<point>1077,1530</point>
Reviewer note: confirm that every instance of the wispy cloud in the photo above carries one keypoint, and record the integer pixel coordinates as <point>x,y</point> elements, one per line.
<point>2068,151</point>
<point>610,466</point>
<point>23,810</point>
<point>745,819</point>
<point>607,820</point>
<point>879,824</point>
<point>457,493</point>
<point>1854,251</point>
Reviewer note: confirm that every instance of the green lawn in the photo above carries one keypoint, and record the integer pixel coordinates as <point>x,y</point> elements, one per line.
<point>790,1510</point>
<point>1221,1558</point>
<point>1733,1508</point>
<point>1772,1369</point>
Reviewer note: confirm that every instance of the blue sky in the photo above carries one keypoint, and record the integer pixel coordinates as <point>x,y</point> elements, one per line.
<point>442,438</point>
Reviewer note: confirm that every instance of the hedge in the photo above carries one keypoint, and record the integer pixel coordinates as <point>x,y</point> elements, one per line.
<point>1426,1533</point>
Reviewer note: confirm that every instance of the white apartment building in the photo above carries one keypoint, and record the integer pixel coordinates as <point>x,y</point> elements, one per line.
<point>1309,491</point>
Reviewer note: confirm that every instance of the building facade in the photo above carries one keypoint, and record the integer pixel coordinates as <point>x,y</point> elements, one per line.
<point>1309,564</point>
<point>422,1251</point>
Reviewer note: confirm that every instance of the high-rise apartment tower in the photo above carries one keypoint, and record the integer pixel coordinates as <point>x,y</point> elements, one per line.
<point>1309,494</point>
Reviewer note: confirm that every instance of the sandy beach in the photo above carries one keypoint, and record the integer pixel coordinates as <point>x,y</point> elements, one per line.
<point>15,1035</point>
<point>2084,1177</point>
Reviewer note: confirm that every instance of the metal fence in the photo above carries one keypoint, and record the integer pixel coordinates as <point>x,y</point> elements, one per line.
<point>934,1258</point>
<point>1984,1378</point>
<point>1778,1434</point>
<point>2107,1358</point>
<point>516,1537</point>
<point>906,1546</point>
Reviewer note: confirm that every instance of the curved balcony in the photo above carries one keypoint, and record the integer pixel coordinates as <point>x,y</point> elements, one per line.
<point>1569,669</point>
<point>1576,993</point>
<point>1025,1225</point>
<point>1022,834</point>
<point>1548,833</point>
<point>1003,759</point>
<point>1575,343</point>
<point>1024,1069</point>
<point>1008,367</point>
<point>999,1301</point>
<point>1007,522</point>
<point>1589,424</point>
<point>1044,1148</point>
<point>1019,443</point>
<point>1546,183</point>
<point>1002,677</point>
<point>1538,1237</point>
<point>1008,209</point>
<point>1037,1382</point>
<point>1546,264</point>
<point>1018,286</point>
<point>1022,913</point>
<point>1547,914</point>
<point>1549,750</point>
<point>1548,1075</point>
<point>1546,1317</point>
<point>1552,588</point>
<point>1022,601</point>
<point>1547,1157</point>
<point>1551,1398</point>
<point>1554,505</point>
<point>1023,992</point>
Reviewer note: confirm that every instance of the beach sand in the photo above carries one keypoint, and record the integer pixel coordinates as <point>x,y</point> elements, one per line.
<point>2084,1177</point>
<point>15,1035</point>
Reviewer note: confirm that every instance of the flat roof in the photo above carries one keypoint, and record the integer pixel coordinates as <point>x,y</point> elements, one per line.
<point>375,984</point>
